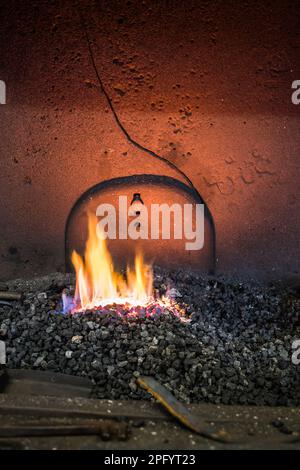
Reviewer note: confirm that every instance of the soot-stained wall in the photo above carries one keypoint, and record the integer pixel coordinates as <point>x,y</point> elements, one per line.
<point>206,84</point>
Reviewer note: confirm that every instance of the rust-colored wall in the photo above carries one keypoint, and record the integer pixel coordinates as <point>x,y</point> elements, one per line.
<point>205,84</point>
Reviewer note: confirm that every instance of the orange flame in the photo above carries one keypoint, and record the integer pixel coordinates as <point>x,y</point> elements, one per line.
<point>98,284</point>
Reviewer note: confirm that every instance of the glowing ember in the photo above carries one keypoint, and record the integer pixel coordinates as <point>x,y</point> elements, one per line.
<point>98,284</point>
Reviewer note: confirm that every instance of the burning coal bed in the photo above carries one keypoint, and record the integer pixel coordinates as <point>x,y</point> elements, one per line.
<point>222,341</point>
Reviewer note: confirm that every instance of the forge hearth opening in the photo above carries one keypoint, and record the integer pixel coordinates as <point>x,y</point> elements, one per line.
<point>168,232</point>
<point>105,219</point>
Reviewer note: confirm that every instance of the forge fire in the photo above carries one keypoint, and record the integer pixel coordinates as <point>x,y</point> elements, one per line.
<point>98,285</point>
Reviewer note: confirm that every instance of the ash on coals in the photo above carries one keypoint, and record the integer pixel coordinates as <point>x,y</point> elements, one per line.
<point>236,347</point>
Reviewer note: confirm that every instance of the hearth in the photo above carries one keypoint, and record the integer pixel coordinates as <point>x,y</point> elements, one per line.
<point>221,341</point>
<point>161,190</point>
<point>149,275</point>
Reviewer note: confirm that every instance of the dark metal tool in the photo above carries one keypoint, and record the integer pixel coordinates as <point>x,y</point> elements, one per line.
<point>107,429</point>
<point>179,411</point>
<point>8,295</point>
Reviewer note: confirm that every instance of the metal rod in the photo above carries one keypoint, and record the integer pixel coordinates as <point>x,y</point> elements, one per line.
<point>107,429</point>
<point>179,411</point>
<point>7,295</point>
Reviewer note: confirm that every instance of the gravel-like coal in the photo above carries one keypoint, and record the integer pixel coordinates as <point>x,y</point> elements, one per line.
<point>235,349</point>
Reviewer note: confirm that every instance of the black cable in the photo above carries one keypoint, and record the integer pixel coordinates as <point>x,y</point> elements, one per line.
<point>117,119</point>
<point>137,144</point>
